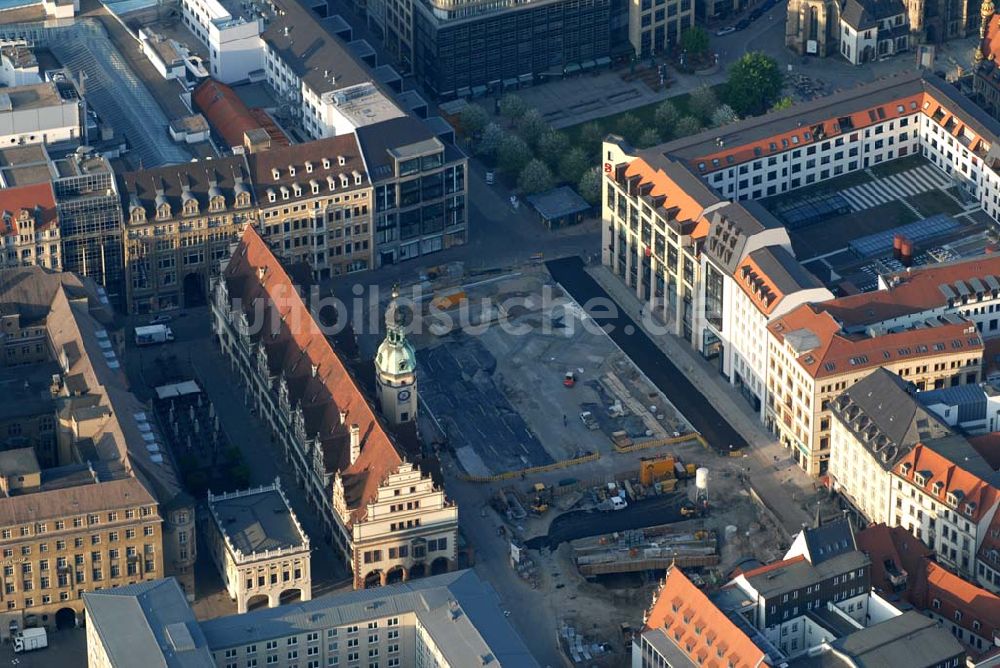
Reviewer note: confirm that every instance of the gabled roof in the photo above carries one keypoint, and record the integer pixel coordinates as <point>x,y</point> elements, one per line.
<point>767,275</point>
<point>823,349</point>
<point>944,478</point>
<point>317,380</point>
<point>702,632</point>
<point>229,116</point>
<point>173,183</point>
<point>304,165</point>
<point>829,540</point>
<point>865,14</point>
<point>882,413</point>
<point>681,197</point>
<point>38,199</point>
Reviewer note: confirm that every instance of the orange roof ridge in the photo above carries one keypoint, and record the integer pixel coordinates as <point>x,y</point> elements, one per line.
<point>733,645</point>
<point>332,392</point>
<point>774,565</point>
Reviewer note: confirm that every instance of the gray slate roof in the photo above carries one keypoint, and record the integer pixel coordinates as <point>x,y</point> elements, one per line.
<point>800,574</point>
<point>148,624</point>
<point>865,14</point>
<point>477,629</point>
<point>829,540</point>
<point>257,522</point>
<point>911,640</point>
<point>881,411</point>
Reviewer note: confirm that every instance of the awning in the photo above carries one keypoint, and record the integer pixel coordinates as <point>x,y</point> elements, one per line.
<point>464,91</point>
<point>588,64</point>
<point>510,83</point>
<point>478,91</point>
<point>571,68</point>
<point>603,60</point>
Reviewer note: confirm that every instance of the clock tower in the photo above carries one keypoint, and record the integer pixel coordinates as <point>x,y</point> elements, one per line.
<point>395,368</point>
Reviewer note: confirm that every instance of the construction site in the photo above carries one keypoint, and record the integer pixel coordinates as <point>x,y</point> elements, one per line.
<point>574,473</point>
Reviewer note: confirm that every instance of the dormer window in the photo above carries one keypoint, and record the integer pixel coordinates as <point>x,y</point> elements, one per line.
<point>920,479</point>
<point>326,163</point>
<point>343,180</point>
<point>315,187</point>
<point>357,179</point>
<point>291,170</point>
<point>163,211</point>
<point>907,467</point>
<point>332,182</point>
<point>296,190</point>
<point>938,486</point>
<point>275,173</point>
<point>309,168</point>
<point>284,192</point>
<point>271,196</point>
<point>341,160</point>
<point>243,199</point>
<point>217,204</point>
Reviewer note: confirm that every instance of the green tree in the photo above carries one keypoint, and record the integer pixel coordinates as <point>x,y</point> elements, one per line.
<point>649,137</point>
<point>754,84</point>
<point>536,177</point>
<point>666,117</point>
<point>489,142</point>
<point>694,40</point>
<point>473,119</point>
<point>782,103</point>
<point>512,107</point>
<point>590,185</point>
<point>513,154</point>
<point>531,126</point>
<point>628,126</point>
<point>552,146</point>
<point>591,136</point>
<point>573,164</point>
<point>724,115</point>
<point>689,125</point>
<point>702,104</point>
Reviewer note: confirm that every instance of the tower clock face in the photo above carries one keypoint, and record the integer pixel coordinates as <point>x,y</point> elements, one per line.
<point>403,395</point>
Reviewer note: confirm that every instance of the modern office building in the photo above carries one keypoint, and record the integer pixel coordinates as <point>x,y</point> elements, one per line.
<point>655,26</point>
<point>447,621</point>
<point>469,48</point>
<point>390,521</point>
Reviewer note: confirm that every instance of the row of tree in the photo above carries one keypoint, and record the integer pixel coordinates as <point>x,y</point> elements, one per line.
<point>528,148</point>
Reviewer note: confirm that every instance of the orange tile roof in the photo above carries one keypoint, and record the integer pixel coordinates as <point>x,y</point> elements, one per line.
<point>991,42</point>
<point>969,488</point>
<point>761,290</point>
<point>688,208</point>
<point>989,550</point>
<point>837,352</point>
<point>956,594</point>
<point>884,543</point>
<point>316,378</point>
<point>916,291</point>
<point>698,628</point>
<point>773,566</point>
<point>229,116</point>
<point>13,200</point>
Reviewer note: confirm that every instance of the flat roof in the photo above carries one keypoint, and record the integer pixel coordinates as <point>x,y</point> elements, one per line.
<point>31,96</point>
<point>257,522</point>
<point>558,202</point>
<point>364,104</point>
<point>20,461</point>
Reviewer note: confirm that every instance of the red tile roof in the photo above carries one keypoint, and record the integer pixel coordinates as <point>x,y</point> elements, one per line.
<point>915,291</point>
<point>837,352</point>
<point>955,480</point>
<point>698,628</point>
<point>230,117</point>
<point>13,200</point>
<point>929,586</point>
<point>687,207</point>
<point>756,284</point>
<point>316,378</point>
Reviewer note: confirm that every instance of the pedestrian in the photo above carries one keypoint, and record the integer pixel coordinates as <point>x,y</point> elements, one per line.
<point>564,419</point>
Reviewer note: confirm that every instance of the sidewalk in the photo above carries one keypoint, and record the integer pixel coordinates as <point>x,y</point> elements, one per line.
<point>772,473</point>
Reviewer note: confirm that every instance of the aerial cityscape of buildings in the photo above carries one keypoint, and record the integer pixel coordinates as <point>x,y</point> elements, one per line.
<point>293,296</point>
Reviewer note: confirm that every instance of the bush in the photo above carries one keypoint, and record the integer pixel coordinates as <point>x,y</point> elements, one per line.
<point>591,136</point>
<point>489,143</point>
<point>629,126</point>
<point>694,40</point>
<point>536,177</point>
<point>724,115</point>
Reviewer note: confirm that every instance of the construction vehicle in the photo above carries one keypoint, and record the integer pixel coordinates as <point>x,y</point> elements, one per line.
<point>569,380</point>
<point>689,510</point>
<point>542,498</point>
<point>30,639</point>
<point>621,439</point>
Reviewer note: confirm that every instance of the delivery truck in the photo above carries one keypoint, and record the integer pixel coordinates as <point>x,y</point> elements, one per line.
<point>152,334</point>
<point>30,639</point>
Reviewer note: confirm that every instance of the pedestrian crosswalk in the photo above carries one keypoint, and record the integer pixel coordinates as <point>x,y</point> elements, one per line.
<point>905,184</point>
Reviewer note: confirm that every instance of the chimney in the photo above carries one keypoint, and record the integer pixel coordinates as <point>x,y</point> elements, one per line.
<point>343,417</point>
<point>355,443</point>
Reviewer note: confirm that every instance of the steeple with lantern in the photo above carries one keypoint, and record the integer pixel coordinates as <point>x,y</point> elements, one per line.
<point>986,11</point>
<point>395,368</point>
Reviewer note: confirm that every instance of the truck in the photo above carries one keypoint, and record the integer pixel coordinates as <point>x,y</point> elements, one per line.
<point>30,639</point>
<point>151,334</point>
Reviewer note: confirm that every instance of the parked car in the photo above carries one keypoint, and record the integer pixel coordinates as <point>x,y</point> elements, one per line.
<point>725,31</point>
<point>161,319</point>
<point>757,13</point>
<point>743,24</point>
